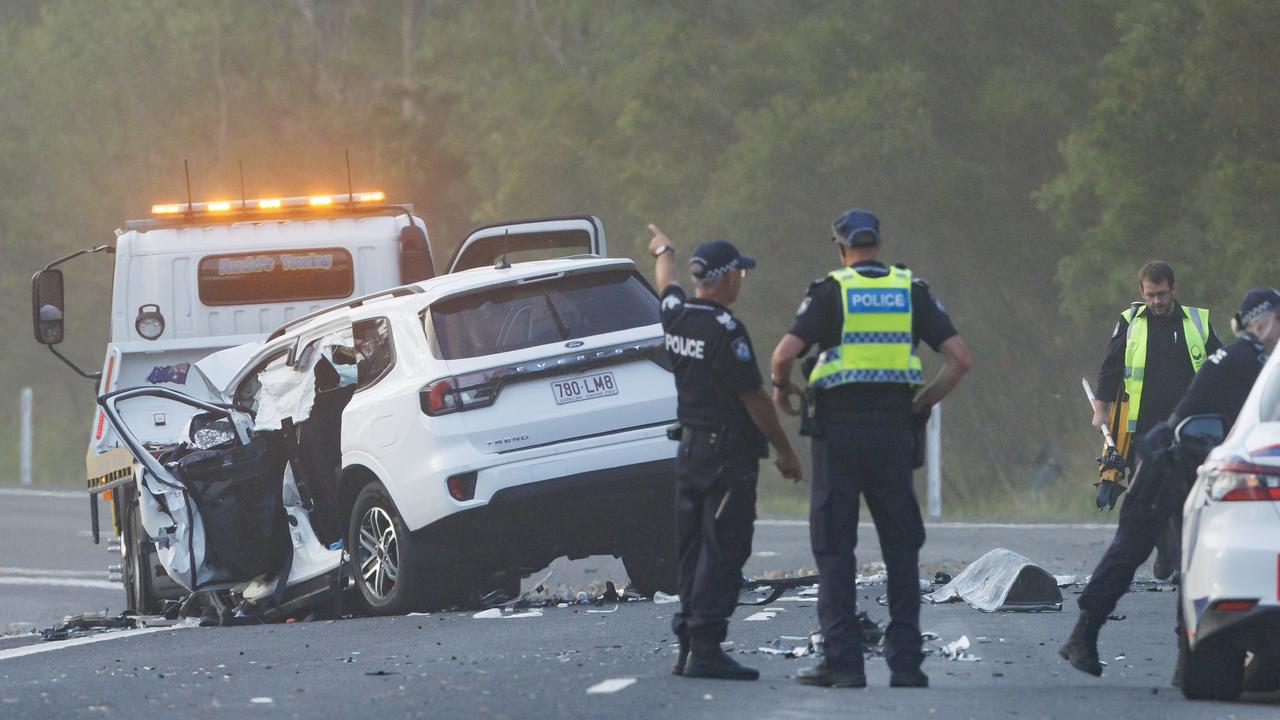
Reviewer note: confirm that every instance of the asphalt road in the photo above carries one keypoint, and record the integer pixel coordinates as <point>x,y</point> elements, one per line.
<point>453,665</point>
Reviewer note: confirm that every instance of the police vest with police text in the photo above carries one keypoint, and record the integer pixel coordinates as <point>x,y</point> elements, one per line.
<point>875,343</point>
<point>1195,328</point>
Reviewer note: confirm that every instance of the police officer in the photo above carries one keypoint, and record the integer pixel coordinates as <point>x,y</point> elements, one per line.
<point>866,319</point>
<point>1220,388</point>
<point>1157,346</point>
<point>726,417</point>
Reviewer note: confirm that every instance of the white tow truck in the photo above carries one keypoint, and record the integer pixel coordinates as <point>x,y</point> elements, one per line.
<point>199,277</point>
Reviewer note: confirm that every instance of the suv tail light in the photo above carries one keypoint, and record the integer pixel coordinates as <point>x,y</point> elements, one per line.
<point>1239,481</point>
<point>480,389</point>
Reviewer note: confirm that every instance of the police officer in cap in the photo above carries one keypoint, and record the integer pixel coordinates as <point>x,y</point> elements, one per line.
<point>726,417</point>
<point>866,319</point>
<point>1219,388</point>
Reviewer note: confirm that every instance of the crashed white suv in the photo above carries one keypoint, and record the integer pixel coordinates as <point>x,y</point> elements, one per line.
<point>450,435</point>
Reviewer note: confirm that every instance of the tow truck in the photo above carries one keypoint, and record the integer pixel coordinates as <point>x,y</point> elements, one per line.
<point>195,278</point>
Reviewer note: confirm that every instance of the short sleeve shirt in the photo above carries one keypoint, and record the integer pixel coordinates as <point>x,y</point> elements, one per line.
<point>820,321</point>
<point>714,361</point>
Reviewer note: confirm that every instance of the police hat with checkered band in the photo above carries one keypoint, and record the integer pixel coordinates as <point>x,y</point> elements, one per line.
<point>713,258</point>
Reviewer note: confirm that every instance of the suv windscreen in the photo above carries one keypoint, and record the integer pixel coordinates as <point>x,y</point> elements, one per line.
<point>514,317</point>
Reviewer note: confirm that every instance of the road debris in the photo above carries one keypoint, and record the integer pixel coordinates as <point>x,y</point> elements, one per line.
<point>610,686</point>
<point>1066,580</point>
<point>661,598</point>
<point>74,626</point>
<point>506,614</point>
<point>604,612</point>
<point>761,616</point>
<point>957,650</point>
<point>1002,580</point>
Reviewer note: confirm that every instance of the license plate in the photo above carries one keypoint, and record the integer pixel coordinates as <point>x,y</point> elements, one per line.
<point>584,388</point>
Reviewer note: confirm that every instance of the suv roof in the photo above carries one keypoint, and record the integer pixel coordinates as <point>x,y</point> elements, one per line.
<point>451,285</point>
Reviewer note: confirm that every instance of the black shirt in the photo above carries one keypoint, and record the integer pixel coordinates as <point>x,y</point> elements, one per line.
<point>820,321</point>
<point>1224,382</point>
<point>714,363</point>
<point>1168,371</point>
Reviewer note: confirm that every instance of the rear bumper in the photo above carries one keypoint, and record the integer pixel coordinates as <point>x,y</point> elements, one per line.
<point>1256,630</point>
<point>628,509</point>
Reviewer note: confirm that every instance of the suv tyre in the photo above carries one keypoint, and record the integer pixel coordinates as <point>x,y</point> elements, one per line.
<point>386,560</point>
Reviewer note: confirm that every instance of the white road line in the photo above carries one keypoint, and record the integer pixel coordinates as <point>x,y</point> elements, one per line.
<point>59,582</point>
<point>64,644</point>
<point>41,572</point>
<point>62,494</point>
<point>966,525</point>
<point>610,686</point>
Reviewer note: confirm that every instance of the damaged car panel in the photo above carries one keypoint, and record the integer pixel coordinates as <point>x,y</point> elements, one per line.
<point>545,439</point>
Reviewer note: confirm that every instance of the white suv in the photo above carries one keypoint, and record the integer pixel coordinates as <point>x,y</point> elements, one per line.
<point>453,435</point>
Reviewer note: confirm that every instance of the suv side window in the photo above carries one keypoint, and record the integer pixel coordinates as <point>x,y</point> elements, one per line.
<point>246,394</point>
<point>375,351</point>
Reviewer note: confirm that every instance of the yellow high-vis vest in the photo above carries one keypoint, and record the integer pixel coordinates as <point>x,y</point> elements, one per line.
<point>875,343</point>
<point>1195,328</point>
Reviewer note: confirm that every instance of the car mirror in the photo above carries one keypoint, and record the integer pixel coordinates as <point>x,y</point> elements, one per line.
<point>212,430</point>
<point>47,306</point>
<point>1201,429</point>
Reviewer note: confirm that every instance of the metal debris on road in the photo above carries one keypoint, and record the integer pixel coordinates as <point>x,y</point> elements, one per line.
<point>75,626</point>
<point>605,612</point>
<point>1002,580</point>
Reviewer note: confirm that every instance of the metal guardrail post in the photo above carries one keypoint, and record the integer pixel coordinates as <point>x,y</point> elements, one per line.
<point>933,460</point>
<point>24,439</point>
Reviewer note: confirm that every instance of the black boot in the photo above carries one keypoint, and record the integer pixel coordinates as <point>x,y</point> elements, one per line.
<point>715,664</point>
<point>1081,648</point>
<point>682,658</point>
<point>824,675</point>
<point>909,679</point>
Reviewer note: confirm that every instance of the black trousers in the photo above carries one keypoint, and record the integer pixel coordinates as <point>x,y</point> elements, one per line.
<point>1154,504</point>
<point>870,456</point>
<point>712,549</point>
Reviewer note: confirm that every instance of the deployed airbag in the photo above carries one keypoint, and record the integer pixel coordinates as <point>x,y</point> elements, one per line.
<point>1002,580</point>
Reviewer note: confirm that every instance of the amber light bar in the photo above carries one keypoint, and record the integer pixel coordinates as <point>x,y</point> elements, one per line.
<point>266,205</point>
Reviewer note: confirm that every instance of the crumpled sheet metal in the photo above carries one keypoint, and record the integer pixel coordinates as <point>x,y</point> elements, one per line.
<point>1002,580</point>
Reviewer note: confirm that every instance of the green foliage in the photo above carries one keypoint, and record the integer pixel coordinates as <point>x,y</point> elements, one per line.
<point>1024,157</point>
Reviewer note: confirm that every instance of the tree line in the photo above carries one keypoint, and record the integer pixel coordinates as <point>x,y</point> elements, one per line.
<point>1024,157</point>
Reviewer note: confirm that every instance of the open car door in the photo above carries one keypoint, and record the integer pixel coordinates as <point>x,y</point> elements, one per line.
<point>541,239</point>
<point>167,509</point>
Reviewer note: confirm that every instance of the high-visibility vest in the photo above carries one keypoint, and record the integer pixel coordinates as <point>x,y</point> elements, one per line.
<point>1195,328</point>
<point>875,344</point>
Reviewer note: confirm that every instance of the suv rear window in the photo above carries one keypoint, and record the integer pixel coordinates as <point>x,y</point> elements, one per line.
<point>272,277</point>
<point>515,317</point>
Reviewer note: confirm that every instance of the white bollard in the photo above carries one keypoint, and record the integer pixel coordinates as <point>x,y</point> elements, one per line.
<point>24,438</point>
<point>933,459</point>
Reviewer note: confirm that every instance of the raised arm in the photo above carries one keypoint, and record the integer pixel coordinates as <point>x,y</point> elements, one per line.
<point>664,266</point>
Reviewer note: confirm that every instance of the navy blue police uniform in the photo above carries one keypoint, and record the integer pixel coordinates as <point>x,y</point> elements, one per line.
<point>1159,489</point>
<point>865,447</point>
<point>718,462</point>
<point>1220,388</point>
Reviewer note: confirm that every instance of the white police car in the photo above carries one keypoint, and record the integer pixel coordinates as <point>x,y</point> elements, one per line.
<point>1230,586</point>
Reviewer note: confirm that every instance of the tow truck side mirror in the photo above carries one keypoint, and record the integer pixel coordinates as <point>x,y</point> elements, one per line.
<point>47,311</point>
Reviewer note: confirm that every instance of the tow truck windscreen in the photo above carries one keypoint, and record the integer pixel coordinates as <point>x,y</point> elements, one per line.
<point>270,277</point>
